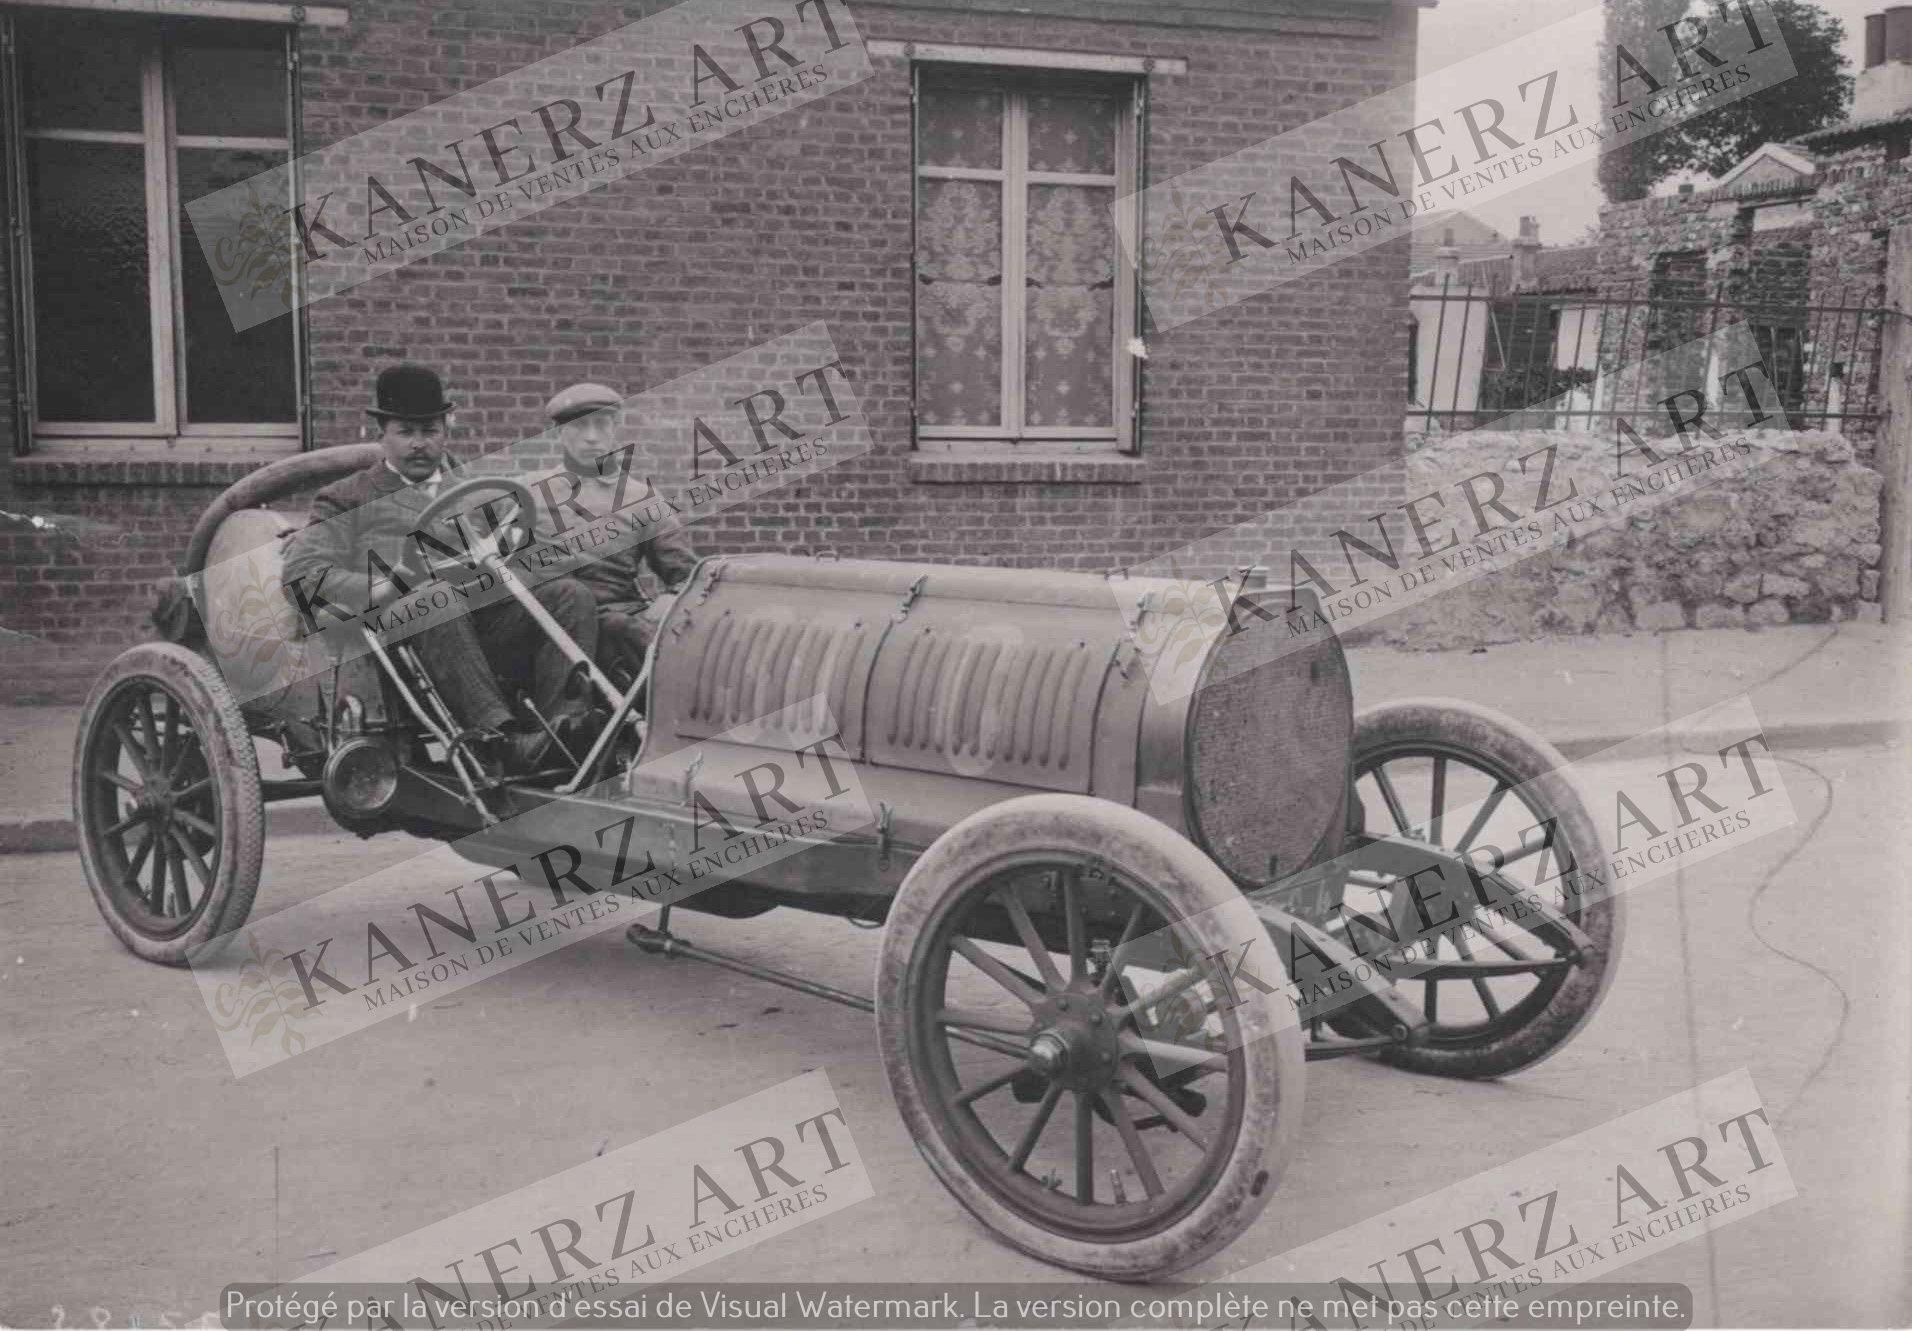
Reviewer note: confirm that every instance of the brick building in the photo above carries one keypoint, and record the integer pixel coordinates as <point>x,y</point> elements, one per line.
<point>131,404</point>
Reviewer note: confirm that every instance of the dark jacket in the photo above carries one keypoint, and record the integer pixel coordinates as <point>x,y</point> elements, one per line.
<point>613,577</point>
<point>372,511</point>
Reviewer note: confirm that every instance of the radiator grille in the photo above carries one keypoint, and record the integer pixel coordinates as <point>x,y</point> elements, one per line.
<point>1268,743</point>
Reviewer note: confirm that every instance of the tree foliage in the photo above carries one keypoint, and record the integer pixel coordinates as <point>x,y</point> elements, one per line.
<point>1713,141</point>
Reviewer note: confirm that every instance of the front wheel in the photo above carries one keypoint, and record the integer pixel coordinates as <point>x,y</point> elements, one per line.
<point>166,795</point>
<point>1069,1065</point>
<point>1465,778</point>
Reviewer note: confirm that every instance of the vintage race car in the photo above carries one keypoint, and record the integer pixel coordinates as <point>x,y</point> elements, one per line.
<point>1069,865</point>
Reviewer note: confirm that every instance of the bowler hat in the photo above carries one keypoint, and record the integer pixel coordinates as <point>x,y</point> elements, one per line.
<point>410,393</point>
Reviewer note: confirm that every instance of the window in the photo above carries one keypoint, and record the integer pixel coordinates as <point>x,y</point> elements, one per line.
<point>1782,348</point>
<point>121,121</point>
<point>1025,303</point>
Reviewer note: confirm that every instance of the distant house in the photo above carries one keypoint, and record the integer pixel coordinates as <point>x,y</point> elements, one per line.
<point>1462,232</point>
<point>1792,241</point>
<point>1479,342</point>
<point>1795,236</point>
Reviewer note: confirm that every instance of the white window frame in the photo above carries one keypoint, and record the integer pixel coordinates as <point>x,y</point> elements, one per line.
<point>1015,178</point>
<point>165,310</point>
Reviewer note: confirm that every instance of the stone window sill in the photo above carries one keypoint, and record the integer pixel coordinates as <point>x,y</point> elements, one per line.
<point>74,466</point>
<point>1024,469</point>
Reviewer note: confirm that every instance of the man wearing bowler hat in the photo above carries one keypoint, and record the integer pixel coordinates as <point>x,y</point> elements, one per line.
<point>596,478</point>
<point>375,511</point>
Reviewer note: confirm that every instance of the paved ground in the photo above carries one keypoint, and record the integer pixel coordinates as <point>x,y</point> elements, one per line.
<point>140,1177</point>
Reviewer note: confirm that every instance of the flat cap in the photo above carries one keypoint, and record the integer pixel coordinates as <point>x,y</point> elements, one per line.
<point>579,399</point>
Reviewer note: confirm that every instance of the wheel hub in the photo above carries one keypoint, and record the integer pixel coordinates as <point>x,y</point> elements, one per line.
<point>1049,1054</point>
<point>1075,1044</point>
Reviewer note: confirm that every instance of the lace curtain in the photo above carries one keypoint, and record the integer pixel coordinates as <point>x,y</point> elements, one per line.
<point>1066,309</point>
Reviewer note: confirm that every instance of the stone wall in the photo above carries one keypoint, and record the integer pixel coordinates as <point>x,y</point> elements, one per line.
<point>1794,539</point>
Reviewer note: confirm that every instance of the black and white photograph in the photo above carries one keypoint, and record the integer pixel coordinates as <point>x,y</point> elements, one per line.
<point>1216,665</point>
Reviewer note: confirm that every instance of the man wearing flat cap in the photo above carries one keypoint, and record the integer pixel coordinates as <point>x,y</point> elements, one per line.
<point>596,478</point>
<point>375,511</point>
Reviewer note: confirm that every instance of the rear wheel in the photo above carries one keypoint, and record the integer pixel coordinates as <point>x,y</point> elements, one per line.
<point>166,796</point>
<point>1080,1090</point>
<point>1465,778</point>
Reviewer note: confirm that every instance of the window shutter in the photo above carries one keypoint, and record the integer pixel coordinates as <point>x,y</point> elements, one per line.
<point>916,203</point>
<point>19,273</point>
<point>301,330</point>
<point>1139,321</point>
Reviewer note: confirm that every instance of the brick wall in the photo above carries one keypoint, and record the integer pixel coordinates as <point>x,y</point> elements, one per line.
<point>1834,256</point>
<point>803,218</point>
<point>1860,197</point>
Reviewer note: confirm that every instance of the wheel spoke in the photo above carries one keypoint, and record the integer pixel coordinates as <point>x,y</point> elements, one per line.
<point>995,1044</point>
<point>1481,816</point>
<point>198,824</point>
<point>1480,984</point>
<point>1132,1140</point>
<point>1170,1056</point>
<point>132,819</point>
<point>995,970</point>
<point>134,865</point>
<point>1031,940</point>
<point>982,1088</point>
<point>125,783</point>
<point>1520,855</point>
<point>1034,1130</point>
<point>1386,787</point>
<point>162,853</point>
<point>1550,855</point>
<point>1371,923</point>
<point>193,857</point>
<point>1077,927</point>
<point>124,734</point>
<point>1437,802</point>
<point>170,751</point>
<point>1115,957</point>
<point>982,1021</point>
<point>150,728</point>
<point>187,746</point>
<point>1085,1147</point>
<point>176,867</point>
<point>188,792</point>
<point>1167,1108</point>
<point>1487,998</point>
<point>1506,947</point>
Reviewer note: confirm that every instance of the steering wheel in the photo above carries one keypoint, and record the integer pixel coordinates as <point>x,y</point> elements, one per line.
<point>517,517</point>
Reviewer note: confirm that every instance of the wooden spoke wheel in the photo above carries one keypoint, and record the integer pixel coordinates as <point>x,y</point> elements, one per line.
<point>166,795</point>
<point>1466,779</point>
<point>1065,1062</point>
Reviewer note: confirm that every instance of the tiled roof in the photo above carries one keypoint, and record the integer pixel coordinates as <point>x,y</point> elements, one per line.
<point>1562,269</point>
<point>1833,134</point>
